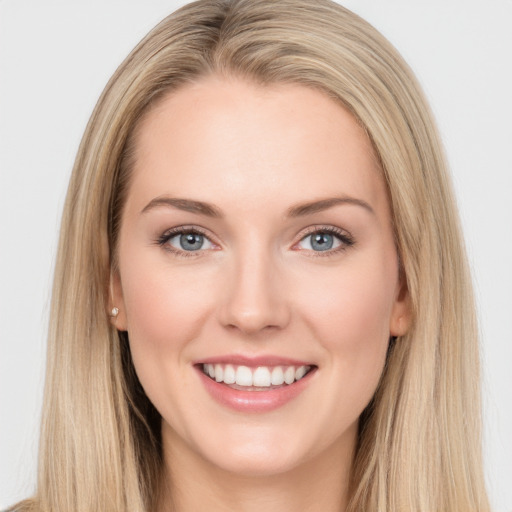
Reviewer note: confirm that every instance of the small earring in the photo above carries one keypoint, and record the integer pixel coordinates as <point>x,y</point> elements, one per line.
<point>114,312</point>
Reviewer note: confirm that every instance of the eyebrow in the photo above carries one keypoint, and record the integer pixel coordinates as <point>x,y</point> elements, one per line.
<point>187,205</point>
<point>300,210</point>
<point>324,204</point>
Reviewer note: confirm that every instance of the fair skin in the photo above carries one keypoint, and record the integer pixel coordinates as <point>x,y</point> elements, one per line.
<point>283,251</point>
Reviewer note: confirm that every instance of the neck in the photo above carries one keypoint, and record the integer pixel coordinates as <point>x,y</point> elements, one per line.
<point>319,484</point>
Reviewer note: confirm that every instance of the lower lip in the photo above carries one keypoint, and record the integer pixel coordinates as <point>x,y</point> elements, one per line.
<point>254,401</point>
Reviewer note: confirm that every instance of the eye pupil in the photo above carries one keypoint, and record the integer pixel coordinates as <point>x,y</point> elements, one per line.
<point>191,241</point>
<point>322,241</point>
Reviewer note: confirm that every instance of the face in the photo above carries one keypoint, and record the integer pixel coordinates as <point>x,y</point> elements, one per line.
<point>258,277</point>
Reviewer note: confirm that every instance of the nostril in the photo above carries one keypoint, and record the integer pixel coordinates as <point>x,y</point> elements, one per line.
<point>254,315</point>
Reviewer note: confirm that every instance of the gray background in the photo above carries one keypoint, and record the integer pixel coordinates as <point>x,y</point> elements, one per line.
<point>55,58</point>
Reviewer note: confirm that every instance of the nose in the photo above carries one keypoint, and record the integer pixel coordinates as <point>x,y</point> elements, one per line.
<point>254,298</point>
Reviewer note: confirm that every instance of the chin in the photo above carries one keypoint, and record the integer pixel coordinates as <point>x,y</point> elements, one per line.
<point>252,452</point>
<point>256,464</point>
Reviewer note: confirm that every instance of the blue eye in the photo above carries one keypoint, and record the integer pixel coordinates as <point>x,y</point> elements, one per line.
<point>325,240</point>
<point>321,241</point>
<point>188,241</point>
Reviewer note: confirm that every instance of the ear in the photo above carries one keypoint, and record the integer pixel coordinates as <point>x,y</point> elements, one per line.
<point>401,315</point>
<point>117,302</point>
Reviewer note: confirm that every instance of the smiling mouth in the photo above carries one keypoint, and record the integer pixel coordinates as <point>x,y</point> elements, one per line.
<point>261,378</point>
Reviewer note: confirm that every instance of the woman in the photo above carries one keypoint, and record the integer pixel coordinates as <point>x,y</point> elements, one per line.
<point>261,296</point>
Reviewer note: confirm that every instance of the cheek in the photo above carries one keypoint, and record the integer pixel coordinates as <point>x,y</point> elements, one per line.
<point>165,308</point>
<point>353,305</point>
<point>163,302</point>
<point>350,316</point>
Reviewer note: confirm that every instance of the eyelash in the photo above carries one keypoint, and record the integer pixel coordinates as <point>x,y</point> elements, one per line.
<point>344,237</point>
<point>181,230</point>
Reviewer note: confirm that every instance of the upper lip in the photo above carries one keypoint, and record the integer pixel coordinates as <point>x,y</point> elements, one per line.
<point>253,361</point>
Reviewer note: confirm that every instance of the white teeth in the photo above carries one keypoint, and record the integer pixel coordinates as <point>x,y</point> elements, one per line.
<point>243,376</point>
<point>289,375</point>
<point>229,374</point>
<point>277,376</point>
<point>300,372</point>
<point>260,377</point>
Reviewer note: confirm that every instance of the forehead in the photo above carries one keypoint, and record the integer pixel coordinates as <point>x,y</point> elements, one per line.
<point>228,138</point>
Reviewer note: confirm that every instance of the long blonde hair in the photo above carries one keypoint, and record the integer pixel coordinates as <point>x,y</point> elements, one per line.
<point>419,438</point>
